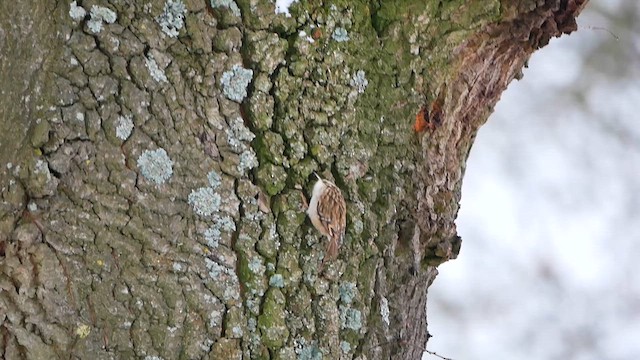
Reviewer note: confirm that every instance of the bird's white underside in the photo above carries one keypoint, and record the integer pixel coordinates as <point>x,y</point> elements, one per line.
<point>312,211</point>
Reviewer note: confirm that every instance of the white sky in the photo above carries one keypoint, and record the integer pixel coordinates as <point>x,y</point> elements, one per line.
<point>282,6</point>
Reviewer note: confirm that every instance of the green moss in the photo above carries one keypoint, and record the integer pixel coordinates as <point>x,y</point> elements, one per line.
<point>303,170</point>
<point>270,147</point>
<point>271,178</point>
<point>470,14</point>
<point>368,188</point>
<point>271,322</point>
<point>366,280</point>
<point>288,224</point>
<point>288,265</point>
<point>269,243</point>
<point>266,50</point>
<point>386,13</point>
<point>298,68</point>
<point>260,109</point>
<point>288,200</point>
<point>245,274</point>
<point>258,14</point>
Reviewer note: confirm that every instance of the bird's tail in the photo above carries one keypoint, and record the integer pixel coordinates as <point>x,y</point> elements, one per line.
<point>332,249</point>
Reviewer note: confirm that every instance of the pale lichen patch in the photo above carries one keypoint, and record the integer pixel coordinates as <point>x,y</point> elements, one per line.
<point>154,70</point>
<point>83,331</point>
<point>359,81</point>
<point>384,310</point>
<point>98,16</point>
<point>235,82</point>
<point>76,12</point>
<point>124,127</point>
<point>229,4</point>
<point>340,34</point>
<point>205,201</point>
<point>172,18</point>
<point>155,165</point>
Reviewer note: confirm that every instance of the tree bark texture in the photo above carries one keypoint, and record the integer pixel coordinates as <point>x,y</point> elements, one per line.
<point>156,157</point>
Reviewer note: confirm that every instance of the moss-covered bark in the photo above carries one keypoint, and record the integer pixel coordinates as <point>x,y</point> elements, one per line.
<point>156,156</point>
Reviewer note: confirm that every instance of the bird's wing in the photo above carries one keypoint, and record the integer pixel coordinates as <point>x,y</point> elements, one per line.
<point>332,212</point>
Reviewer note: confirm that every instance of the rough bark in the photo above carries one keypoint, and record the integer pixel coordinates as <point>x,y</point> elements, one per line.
<point>186,237</point>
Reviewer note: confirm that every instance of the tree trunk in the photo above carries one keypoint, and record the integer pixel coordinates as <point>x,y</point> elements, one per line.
<point>156,157</point>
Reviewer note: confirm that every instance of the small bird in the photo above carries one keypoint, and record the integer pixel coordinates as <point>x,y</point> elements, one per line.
<point>328,213</point>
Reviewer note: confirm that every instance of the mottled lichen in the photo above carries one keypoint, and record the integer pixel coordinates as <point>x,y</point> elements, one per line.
<point>235,82</point>
<point>256,266</point>
<point>269,242</point>
<point>350,318</point>
<point>178,267</point>
<point>308,351</point>
<point>215,180</point>
<point>76,12</point>
<point>225,223</point>
<point>359,81</point>
<point>212,236</point>
<point>215,318</point>
<point>155,165</point>
<point>153,357</point>
<point>270,147</point>
<point>124,127</point>
<point>237,332</point>
<point>205,201</point>
<point>98,16</point>
<point>172,18</point>
<point>266,50</point>
<point>248,161</point>
<point>347,292</point>
<point>156,73</point>
<point>276,280</point>
<point>345,346</point>
<point>237,134</point>
<point>340,34</point>
<point>384,310</point>
<point>235,323</point>
<point>290,218</point>
<point>229,4</point>
<point>240,130</point>
<point>106,14</point>
<point>227,286</point>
